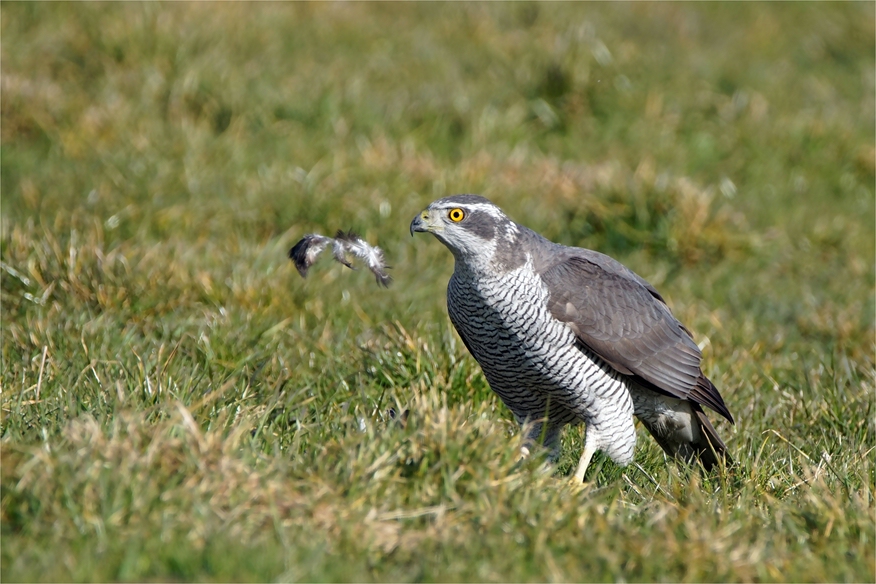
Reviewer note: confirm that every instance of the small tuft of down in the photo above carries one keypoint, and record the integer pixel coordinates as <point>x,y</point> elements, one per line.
<point>304,253</point>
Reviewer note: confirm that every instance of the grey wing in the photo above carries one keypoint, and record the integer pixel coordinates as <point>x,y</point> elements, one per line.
<point>621,318</point>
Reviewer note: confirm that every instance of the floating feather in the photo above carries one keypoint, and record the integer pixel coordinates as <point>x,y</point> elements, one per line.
<point>305,252</point>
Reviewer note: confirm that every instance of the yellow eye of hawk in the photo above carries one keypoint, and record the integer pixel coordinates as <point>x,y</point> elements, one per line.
<point>456,215</point>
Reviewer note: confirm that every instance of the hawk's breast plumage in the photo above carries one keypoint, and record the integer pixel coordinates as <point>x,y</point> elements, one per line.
<point>567,335</point>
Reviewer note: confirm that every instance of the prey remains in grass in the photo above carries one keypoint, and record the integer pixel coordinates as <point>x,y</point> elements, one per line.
<point>304,253</point>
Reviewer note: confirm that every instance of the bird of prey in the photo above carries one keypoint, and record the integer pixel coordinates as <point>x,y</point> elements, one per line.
<point>567,336</point>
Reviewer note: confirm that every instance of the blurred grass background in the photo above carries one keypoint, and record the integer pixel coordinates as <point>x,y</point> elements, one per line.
<point>178,404</point>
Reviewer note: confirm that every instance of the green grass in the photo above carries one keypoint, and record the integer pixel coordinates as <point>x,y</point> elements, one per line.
<point>178,404</point>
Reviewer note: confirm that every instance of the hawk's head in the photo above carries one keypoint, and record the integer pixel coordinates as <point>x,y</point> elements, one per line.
<point>470,226</point>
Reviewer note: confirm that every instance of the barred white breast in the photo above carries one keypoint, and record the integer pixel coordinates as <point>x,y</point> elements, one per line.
<point>531,360</point>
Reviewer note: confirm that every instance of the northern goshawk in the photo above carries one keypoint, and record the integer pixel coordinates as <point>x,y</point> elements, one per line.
<point>567,336</point>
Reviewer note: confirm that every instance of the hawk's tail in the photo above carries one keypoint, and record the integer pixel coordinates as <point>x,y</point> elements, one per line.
<point>680,427</point>
<point>709,448</point>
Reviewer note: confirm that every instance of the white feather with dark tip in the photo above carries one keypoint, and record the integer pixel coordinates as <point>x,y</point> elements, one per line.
<point>306,251</point>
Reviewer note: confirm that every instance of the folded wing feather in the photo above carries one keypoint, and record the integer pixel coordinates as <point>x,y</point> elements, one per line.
<point>621,318</point>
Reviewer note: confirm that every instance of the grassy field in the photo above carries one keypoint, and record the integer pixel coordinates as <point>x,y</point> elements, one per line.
<point>178,404</point>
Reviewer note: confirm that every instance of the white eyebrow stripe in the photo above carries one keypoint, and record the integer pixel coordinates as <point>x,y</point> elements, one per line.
<point>491,209</point>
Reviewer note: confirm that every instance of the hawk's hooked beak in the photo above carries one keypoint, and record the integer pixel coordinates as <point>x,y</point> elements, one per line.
<point>421,223</point>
